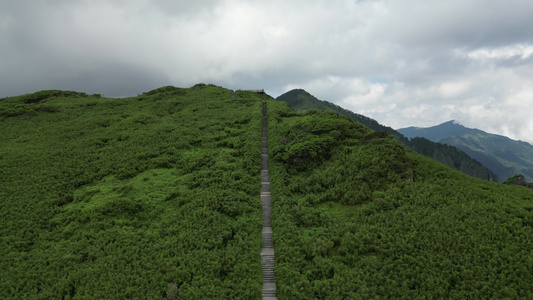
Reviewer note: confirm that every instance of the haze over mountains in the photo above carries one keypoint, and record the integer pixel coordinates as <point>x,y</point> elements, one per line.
<point>504,156</point>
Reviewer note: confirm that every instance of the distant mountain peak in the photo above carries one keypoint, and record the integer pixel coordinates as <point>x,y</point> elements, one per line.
<point>299,92</point>
<point>449,123</point>
<point>504,156</point>
<point>455,123</point>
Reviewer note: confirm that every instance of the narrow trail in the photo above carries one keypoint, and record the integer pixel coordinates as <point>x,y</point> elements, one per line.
<point>267,252</point>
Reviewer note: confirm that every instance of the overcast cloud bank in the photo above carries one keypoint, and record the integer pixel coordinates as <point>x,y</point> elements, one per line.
<point>403,63</point>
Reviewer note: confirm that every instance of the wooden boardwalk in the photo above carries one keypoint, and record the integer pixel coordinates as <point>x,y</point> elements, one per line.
<point>267,252</point>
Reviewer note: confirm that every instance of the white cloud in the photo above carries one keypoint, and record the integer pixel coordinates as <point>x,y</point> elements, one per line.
<point>453,89</point>
<point>402,62</point>
<point>523,51</point>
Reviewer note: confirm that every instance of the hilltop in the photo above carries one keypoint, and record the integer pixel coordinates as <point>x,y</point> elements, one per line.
<point>504,156</point>
<point>124,198</point>
<point>449,155</point>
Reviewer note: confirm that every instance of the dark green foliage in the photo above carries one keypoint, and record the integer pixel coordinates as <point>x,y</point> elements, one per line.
<point>42,95</point>
<point>167,91</point>
<point>30,104</point>
<point>308,140</point>
<point>376,221</point>
<point>452,157</point>
<point>518,180</point>
<point>117,198</point>
<point>199,86</point>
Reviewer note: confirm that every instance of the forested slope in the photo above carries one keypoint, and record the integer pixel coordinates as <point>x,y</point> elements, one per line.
<point>120,198</point>
<point>359,217</point>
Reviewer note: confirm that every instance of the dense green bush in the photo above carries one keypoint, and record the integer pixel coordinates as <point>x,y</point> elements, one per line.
<point>368,219</point>
<point>30,104</point>
<point>118,198</point>
<point>167,91</point>
<point>307,140</point>
<point>519,180</point>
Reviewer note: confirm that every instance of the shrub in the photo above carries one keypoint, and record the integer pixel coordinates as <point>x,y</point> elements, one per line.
<point>172,291</point>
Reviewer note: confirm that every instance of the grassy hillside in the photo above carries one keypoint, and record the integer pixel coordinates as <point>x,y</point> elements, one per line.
<point>302,101</point>
<point>504,156</point>
<point>117,198</point>
<point>123,198</point>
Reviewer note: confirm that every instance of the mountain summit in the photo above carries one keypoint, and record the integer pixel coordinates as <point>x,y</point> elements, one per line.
<point>504,156</point>
<point>439,132</point>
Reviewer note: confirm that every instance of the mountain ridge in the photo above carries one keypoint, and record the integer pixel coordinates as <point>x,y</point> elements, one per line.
<point>453,157</point>
<point>505,156</point>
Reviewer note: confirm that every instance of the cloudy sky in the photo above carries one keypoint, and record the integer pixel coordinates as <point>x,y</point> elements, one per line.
<point>401,62</point>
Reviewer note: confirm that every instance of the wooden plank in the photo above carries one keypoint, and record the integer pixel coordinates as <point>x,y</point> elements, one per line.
<point>267,251</point>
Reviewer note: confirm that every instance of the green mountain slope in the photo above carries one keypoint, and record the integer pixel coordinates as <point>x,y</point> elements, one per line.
<point>117,198</point>
<point>502,155</point>
<point>357,216</point>
<point>448,155</point>
<point>124,198</point>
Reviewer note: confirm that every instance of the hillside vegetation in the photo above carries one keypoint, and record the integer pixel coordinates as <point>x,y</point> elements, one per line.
<point>136,197</point>
<point>356,216</point>
<point>118,198</point>
<point>449,155</point>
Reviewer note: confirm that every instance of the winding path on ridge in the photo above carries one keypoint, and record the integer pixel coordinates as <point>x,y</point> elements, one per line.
<point>267,252</point>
